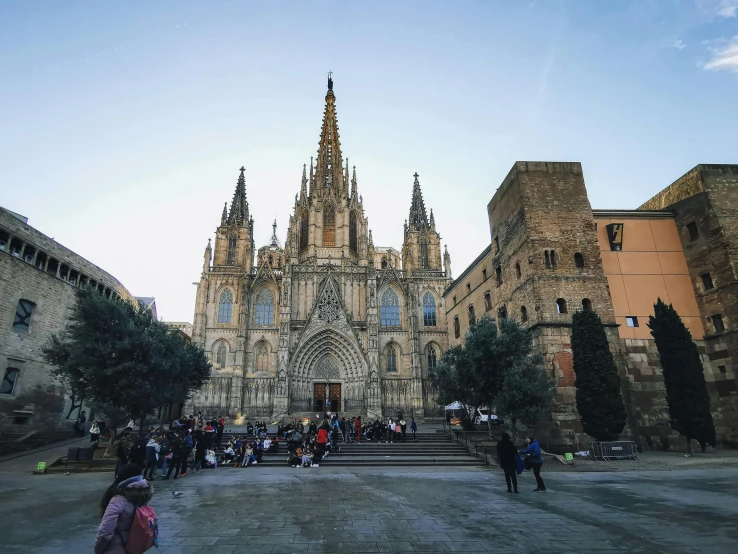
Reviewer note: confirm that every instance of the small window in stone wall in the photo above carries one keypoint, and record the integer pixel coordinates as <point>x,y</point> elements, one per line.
<point>517,270</point>
<point>717,323</point>
<point>4,238</point>
<point>497,244</point>
<point>487,301</point>
<point>631,321</point>
<point>484,275</point>
<point>721,369</point>
<point>553,259</point>
<point>523,314</point>
<point>457,330</point>
<point>692,231</point>
<point>547,258</point>
<point>707,281</point>
<point>498,275</point>
<point>23,313</point>
<point>578,260</point>
<point>9,380</point>
<point>472,317</point>
<point>561,306</point>
<point>586,304</point>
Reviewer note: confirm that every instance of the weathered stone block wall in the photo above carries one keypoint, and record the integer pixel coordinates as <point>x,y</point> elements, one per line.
<point>707,198</point>
<point>36,393</point>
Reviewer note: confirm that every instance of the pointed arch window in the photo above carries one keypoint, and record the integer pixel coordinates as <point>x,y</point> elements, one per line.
<point>384,263</point>
<point>231,255</point>
<point>424,253</point>
<point>353,233</point>
<point>457,329</point>
<point>390,309</point>
<point>429,310</point>
<point>264,307</point>
<point>329,226</point>
<point>225,307</point>
<point>262,356</point>
<point>391,358</point>
<point>432,357</point>
<point>220,355</point>
<point>303,232</point>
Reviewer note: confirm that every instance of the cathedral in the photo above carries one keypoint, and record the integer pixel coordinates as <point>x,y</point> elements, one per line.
<point>327,321</point>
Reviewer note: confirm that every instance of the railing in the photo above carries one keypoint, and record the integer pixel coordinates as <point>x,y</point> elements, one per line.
<point>458,434</point>
<point>616,450</point>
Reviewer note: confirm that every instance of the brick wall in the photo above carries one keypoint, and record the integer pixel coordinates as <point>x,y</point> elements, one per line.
<point>36,394</point>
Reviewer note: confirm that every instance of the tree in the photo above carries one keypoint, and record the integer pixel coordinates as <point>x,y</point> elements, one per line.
<point>454,381</point>
<point>487,354</point>
<point>120,357</point>
<point>686,390</point>
<point>599,401</point>
<point>526,390</point>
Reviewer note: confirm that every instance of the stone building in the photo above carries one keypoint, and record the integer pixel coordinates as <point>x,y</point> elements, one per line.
<point>327,319</point>
<point>550,254</point>
<point>38,279</point>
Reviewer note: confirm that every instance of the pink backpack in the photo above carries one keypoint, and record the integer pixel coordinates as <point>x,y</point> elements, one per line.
<point>144,531</point>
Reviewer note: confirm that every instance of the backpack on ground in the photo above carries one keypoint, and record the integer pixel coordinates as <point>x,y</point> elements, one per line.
<point>144,532</point>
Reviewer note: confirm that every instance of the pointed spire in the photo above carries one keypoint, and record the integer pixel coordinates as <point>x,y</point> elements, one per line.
<point>275,240</point>
<point>346,175</point>
<point>432,220</point>
<point>303,186</point>
<point>418,217</point>
<point>239,214</point>
<point>354,188</point>
<point>311,176</point>
<point>447,262</point>
<point>328,167</point>
<point>224,217</point>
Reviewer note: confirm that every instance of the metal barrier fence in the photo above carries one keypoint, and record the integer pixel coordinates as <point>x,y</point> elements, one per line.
<point>617,450</point>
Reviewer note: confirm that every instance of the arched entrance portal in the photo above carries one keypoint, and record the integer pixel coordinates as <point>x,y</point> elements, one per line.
<point>328,373</point>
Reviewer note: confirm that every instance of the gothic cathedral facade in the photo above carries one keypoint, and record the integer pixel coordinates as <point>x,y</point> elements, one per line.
<point>329,320</point>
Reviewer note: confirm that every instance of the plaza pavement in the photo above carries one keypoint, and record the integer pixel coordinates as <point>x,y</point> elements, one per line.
<point>275,510</point>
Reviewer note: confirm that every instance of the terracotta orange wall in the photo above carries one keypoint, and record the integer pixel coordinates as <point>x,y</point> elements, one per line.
<point>651,265</point>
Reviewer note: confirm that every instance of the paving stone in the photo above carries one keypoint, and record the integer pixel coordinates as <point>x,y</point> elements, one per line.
<point>392,510</point>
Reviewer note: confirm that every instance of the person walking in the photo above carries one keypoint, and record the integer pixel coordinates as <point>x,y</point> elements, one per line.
<point>414,428</point>
<point>121,458</point>
<point>391,430</point>
<point>357,427</point>
<point>118,505</point>
<point>403,428</point>
<point>534,451</point>
<point>507,456</point>
<point>152,457</point>
<point>179,450</point>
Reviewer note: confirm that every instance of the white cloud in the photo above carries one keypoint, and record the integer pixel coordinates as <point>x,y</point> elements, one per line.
<point>718,8</point>
<point>724,57</point>
<point>727,8</point>
<point>679,44</point>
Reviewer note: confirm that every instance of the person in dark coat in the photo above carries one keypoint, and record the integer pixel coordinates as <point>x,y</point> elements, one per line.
<point>534,451</point>
<point>507,455</point>
<point>137,455</point>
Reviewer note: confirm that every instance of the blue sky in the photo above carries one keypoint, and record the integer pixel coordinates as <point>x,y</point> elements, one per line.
<point>123,124</point>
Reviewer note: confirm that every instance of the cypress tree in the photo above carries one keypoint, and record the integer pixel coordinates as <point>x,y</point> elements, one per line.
<point>686,390</point>
<point>599,401</point>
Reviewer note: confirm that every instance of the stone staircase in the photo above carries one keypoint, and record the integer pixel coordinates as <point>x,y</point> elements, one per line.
<point>430,449</point>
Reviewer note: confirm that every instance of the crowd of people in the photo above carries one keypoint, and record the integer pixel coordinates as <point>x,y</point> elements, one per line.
<point>190,441</point>
<point>307,447</point>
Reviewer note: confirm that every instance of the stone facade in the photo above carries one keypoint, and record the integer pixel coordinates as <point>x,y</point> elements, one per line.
<point>38,276</point>
<point>548,258</point>
<point>329,317</point>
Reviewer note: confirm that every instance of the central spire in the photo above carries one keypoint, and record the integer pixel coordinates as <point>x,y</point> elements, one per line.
<point>329,172</point>
<point>418,218</point>
<point>239,214</point>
